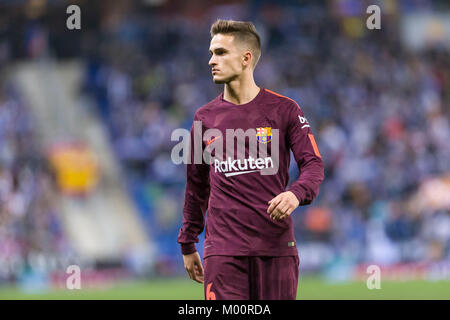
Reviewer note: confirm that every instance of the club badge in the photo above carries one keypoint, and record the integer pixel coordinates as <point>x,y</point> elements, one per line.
<point>264,135</point>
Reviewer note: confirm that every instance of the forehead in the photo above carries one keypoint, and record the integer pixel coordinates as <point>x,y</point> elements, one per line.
<point>222,41</point>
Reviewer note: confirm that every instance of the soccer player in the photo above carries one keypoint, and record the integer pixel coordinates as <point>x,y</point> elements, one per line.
<point>250,251</point>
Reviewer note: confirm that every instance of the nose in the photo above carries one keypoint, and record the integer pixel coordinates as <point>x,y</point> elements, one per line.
<point>212,62</point>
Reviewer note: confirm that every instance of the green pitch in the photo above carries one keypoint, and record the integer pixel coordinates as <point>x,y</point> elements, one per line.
<point>181,289</point>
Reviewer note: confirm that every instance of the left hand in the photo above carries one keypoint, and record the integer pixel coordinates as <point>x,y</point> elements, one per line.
<point>282,205</point>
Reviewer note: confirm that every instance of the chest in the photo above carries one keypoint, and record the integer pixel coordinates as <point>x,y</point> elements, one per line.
<point>253,130</point>
<point>244,119</point>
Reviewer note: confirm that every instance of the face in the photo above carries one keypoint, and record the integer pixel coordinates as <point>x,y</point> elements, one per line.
<point>227,59</point>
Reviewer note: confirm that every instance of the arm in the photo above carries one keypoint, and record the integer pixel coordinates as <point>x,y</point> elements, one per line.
<point>306,153</point>
<point>195,205</point>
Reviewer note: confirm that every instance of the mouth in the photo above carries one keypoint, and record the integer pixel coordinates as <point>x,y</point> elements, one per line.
<point>214,70</point>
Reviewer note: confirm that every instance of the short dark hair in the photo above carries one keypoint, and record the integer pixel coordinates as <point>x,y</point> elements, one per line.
<point>243,31</point>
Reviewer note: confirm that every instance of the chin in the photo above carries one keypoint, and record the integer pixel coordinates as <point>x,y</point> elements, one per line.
<point>218,80</point>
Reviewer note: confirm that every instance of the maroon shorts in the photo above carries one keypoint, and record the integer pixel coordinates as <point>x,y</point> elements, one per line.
<point>251,278</point>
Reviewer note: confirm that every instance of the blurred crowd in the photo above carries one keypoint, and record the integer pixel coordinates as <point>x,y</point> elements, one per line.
<point>379,111</point>
<point>31,234</point>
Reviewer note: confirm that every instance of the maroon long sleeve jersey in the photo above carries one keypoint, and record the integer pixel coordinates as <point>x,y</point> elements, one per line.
<point>235,193</point>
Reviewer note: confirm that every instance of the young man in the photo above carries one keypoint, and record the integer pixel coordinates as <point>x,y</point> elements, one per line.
<point>250,249</point>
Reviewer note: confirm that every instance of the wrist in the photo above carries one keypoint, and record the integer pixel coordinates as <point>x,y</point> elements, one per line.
<point>298,194</point>
<point>188,248</point>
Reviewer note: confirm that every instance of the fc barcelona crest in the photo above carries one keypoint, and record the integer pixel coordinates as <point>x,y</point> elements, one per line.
<point>264,135</point>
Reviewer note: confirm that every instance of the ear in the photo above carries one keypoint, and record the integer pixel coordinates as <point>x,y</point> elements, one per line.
<point>248,57</point>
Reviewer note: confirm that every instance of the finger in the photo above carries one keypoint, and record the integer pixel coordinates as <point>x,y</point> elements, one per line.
<point>199,273</point>
<point>197,278</point>
<point>280,210</point>
<point>200,269</point>
<point>287,214</point>
<point>193,274</point>
<point>283,216</point>
<point>190,273</point>
<point>200,279</point>
<point>285,211</point>
<point>273,204</point>
<point>280,204</point>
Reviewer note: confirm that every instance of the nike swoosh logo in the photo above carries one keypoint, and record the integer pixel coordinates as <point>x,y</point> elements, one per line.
<point>238,172</point>
<point>210,141</point>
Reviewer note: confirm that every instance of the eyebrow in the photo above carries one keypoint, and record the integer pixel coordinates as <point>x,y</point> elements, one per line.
<point>219,49</point>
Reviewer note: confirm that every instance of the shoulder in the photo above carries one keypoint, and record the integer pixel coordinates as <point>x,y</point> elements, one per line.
<point>284,103</point>
<point>290,112</point>
<point>204,110</point>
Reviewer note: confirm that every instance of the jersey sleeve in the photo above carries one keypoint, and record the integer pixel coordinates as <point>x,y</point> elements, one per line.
<point>307,156</point>
<point>196,197</point>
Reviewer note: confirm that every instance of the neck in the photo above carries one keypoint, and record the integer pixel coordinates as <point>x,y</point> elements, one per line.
<point>241,90</point>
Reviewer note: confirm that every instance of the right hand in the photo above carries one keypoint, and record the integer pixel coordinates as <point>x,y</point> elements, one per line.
<point>193,266</point>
